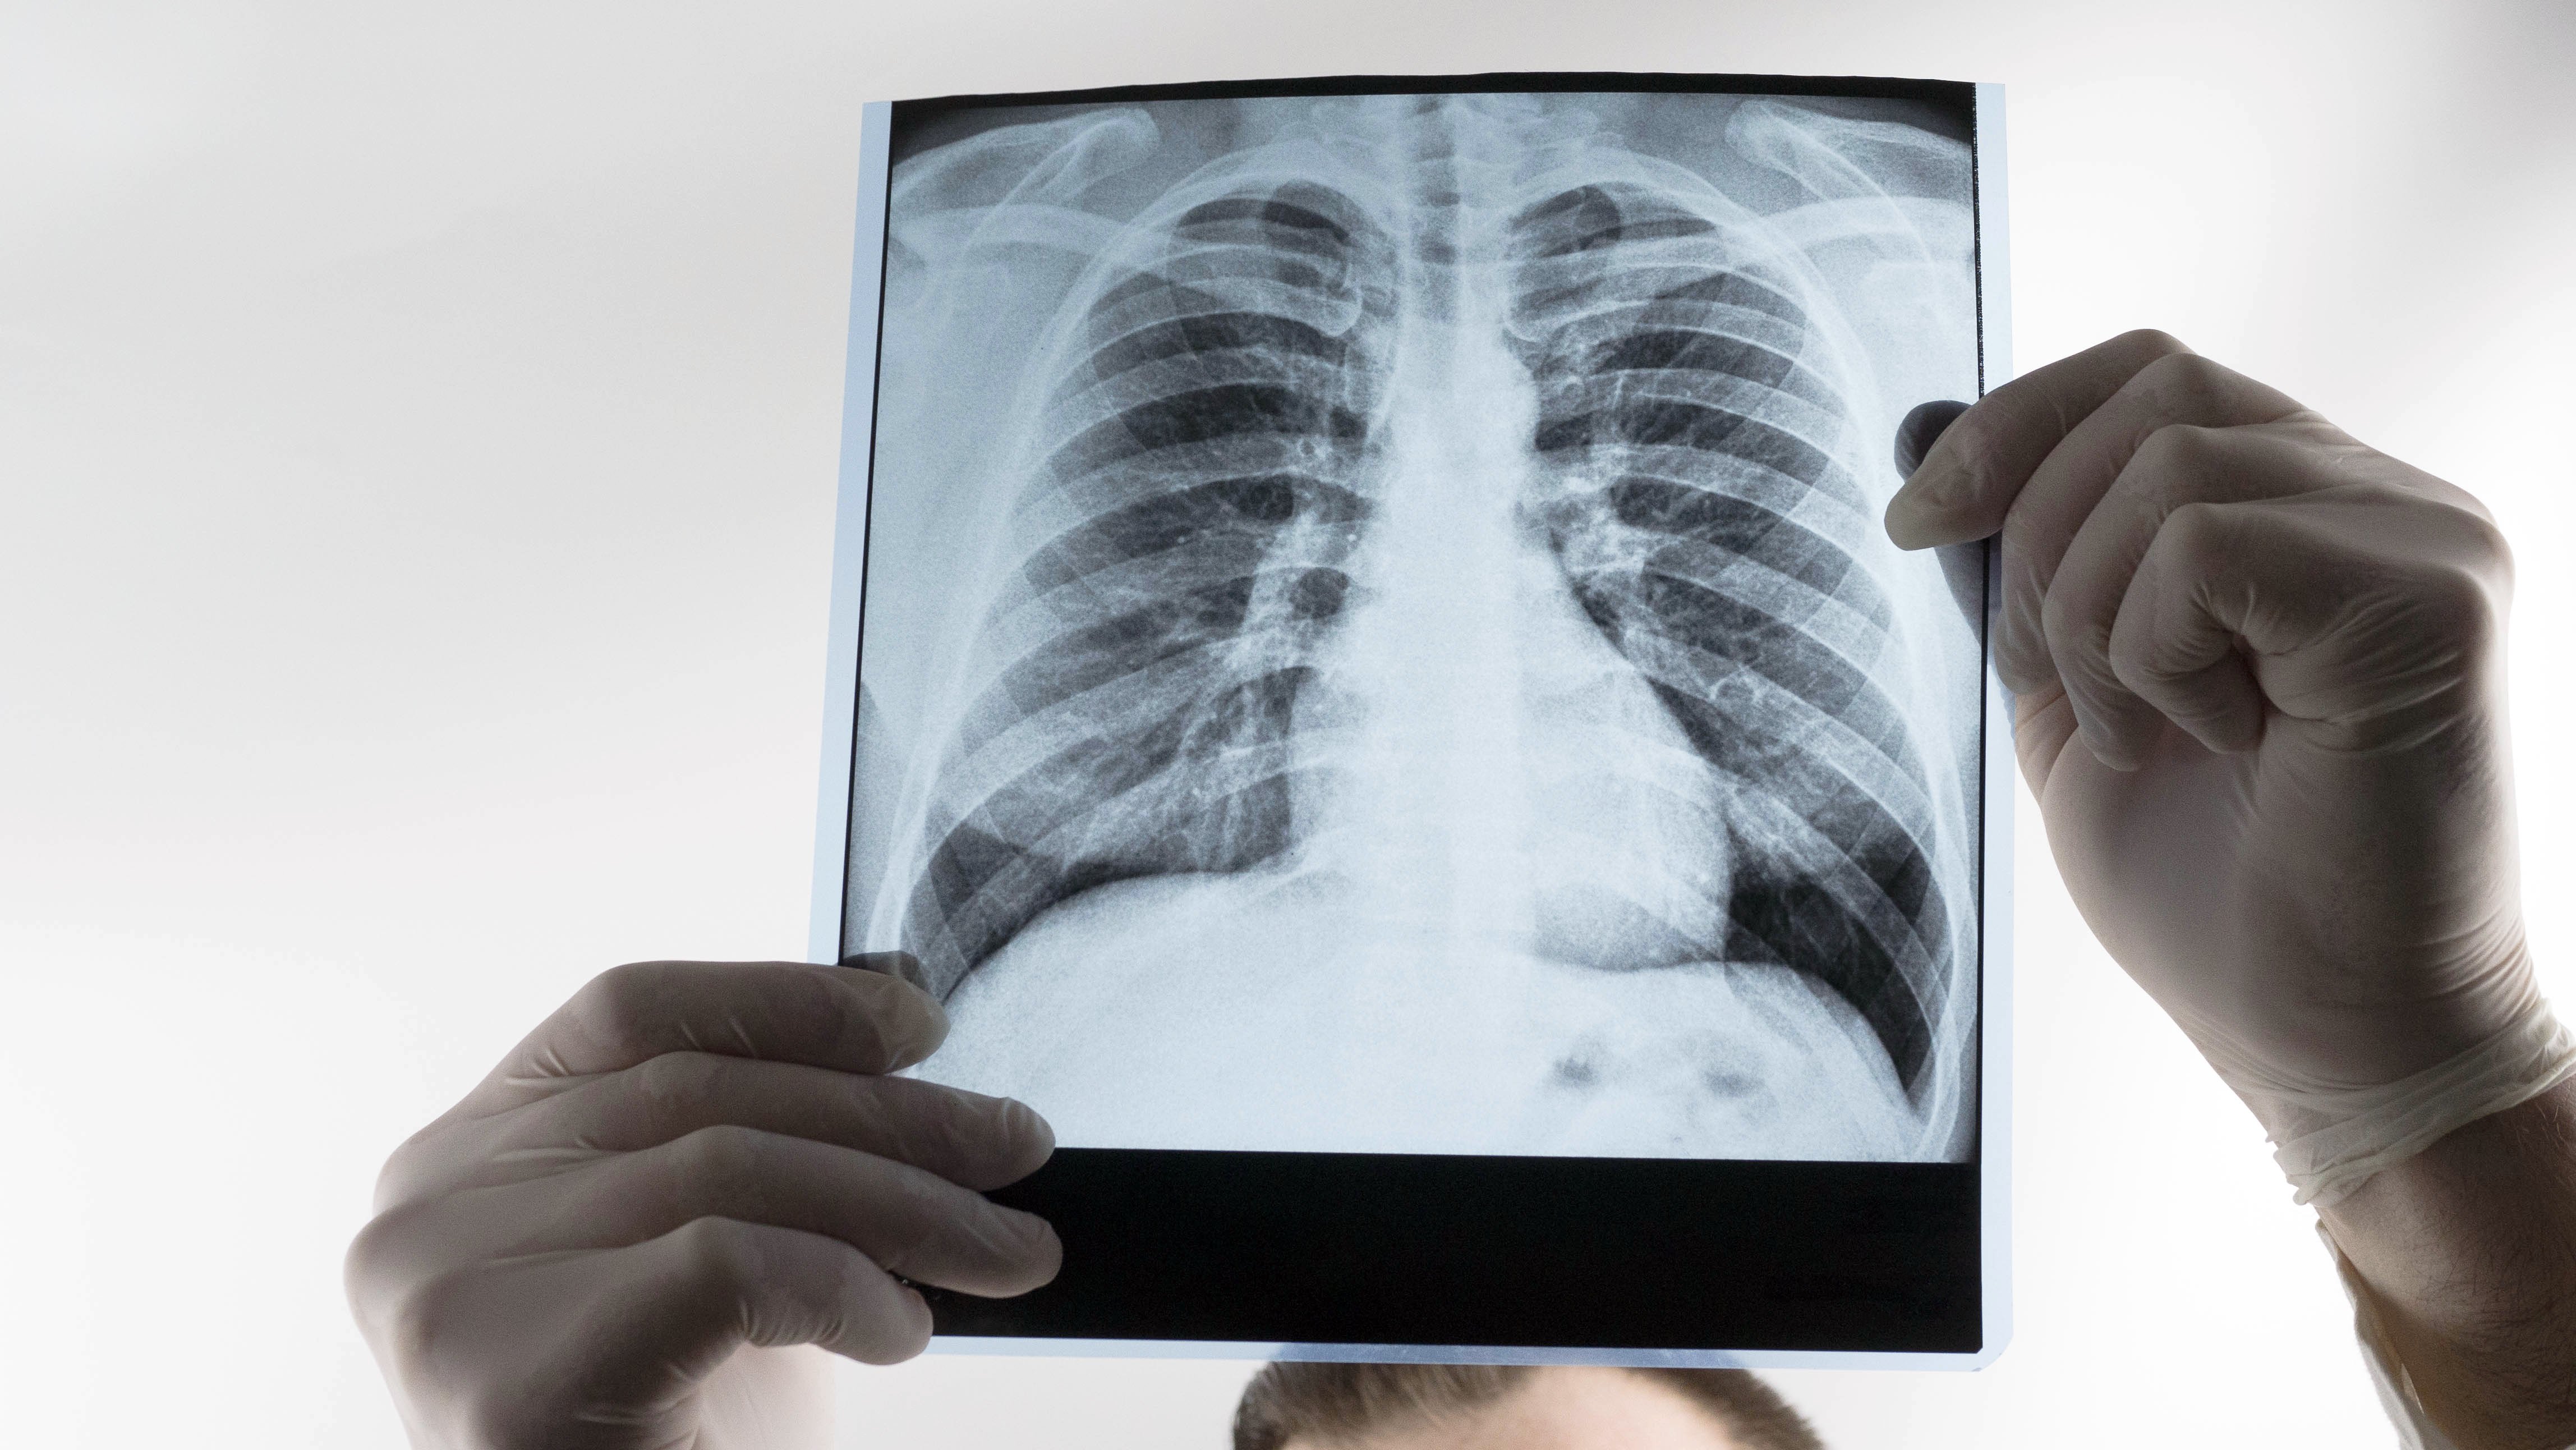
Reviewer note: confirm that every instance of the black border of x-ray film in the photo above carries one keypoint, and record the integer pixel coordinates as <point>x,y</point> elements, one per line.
<point>1465,1258</point>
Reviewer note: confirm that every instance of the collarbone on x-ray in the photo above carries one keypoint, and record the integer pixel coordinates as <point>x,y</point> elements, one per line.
<point>1379,638</point>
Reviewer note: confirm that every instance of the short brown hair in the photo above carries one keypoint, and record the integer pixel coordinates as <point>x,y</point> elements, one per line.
<point>1337,1401</point>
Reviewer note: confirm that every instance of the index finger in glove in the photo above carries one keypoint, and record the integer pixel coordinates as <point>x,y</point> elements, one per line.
<point>2037,466</point>
<point>970,1139</point>
<point>2183,390</point>
<point>911,1222</point>
<point>2177,466</point>
<point>1971,475</point>
<point>845,1019</point>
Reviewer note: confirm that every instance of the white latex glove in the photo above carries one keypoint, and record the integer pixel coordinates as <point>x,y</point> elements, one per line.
<point>2258,673</point>
<point>688,1158</point>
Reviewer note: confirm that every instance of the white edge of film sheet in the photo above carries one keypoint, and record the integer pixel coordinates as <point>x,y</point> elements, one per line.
<point>850,536</point>
<point>1994,1137</point>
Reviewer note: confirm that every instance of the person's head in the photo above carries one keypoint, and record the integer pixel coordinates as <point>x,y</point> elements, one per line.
<point>1512,1407</point>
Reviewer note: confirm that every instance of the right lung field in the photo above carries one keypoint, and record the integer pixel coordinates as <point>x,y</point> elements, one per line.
<point>1384,637</point>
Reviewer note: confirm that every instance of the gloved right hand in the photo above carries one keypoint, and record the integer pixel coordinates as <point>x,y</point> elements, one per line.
<point>686,1159</point>
<point>2259,680</point>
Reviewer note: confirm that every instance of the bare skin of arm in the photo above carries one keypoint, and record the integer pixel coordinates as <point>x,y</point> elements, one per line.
<point>2258,679</point>
<point>2469,1253</point>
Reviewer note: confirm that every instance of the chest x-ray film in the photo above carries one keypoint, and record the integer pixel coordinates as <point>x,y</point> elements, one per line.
<point>1364,633</point>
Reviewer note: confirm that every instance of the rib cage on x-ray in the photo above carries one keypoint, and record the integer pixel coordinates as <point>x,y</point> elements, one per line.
<point>1704,523</point>
<point>1202,460</point>
<point>1195,506</point>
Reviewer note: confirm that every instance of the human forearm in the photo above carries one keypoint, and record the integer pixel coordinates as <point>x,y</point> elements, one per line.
<point>2468,1251</point>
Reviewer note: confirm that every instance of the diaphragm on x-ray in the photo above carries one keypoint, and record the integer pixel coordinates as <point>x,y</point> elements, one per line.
<point>1378,636</point>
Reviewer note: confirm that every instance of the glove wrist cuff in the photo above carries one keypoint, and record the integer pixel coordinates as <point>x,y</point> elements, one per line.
<point>2330,1141</point>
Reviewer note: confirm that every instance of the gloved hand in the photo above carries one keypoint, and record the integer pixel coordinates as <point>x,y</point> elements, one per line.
<point>2258,679</point>
<point>687,1158</point>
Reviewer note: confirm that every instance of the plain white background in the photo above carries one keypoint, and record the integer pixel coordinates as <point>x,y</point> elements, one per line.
<point>417,433</point>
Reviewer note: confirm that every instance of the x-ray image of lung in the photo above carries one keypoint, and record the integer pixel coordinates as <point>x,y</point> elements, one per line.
<point>1378,636</point>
